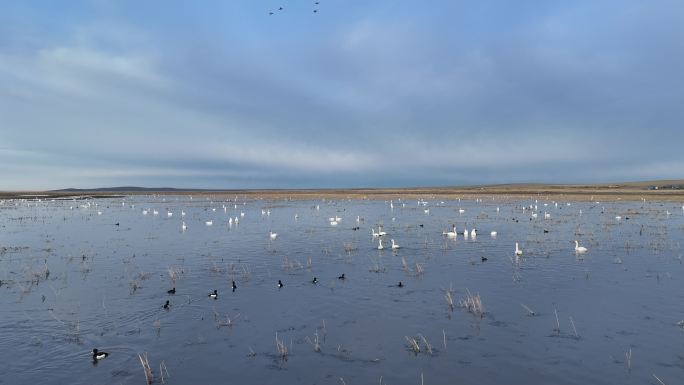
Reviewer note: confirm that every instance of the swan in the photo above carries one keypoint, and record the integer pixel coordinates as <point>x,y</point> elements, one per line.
<point>465,233</point>
<point>209,223</point>
<point>450,234</point>
<point>394,245</point>
<point>375,235</point>
<point>493,233</point>
<point>473,234</point>
<point>461,211</point>
<point>184,227</point>
<point>272,235</point>
<point>579,249</point>
<point>518,251</point>
<point>547,215</point>
<point>182,213</point>
<point>333,223</point>
<point>380,247</point>
<point>380,232</point>
<point>169,214</point>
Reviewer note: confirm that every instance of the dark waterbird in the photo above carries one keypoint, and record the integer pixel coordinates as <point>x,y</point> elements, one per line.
<point>342,277</point>
<point>280,284</point>
<point>167,305</point>
<point>315,280</point>
<point>214,295</point>
<point>234,286</point>
<point>172,291</point>
<point>98,355</point>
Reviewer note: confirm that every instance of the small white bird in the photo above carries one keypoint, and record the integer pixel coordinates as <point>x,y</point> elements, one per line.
<point>493,233</point>
<point>518,251</point>
<point>209,223</point>
<point>272,235</point>
<point>394,245</point>
<point>461,211</point>
<point>380,247</point>
<point>579,249</point>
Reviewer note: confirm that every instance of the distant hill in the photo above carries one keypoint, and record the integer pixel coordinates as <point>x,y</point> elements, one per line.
<point>123,189</point>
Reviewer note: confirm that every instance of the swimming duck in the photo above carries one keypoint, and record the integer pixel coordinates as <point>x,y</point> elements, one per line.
<point>167,305</point>
<point>483,258</point>
<point>172,291</point>
<point>214,295</point>
<point>280,284</point>
<point>234,286</point>
<point>98,355</point>
<point>315,280</point>
<point>342,277</point>
<point>400,284</point>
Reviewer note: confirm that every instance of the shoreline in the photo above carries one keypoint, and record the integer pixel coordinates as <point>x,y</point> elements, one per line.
<point>628,192</point>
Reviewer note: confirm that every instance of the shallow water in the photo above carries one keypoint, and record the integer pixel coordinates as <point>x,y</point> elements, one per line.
<point>106,286</point>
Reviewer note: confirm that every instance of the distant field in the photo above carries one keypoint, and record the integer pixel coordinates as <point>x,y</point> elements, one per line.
<point>670,190</point>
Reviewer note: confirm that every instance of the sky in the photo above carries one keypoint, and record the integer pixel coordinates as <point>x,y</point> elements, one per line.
<point>220,94</point>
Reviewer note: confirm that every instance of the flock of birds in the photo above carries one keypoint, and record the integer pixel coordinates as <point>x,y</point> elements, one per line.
<point>281,8</point>
<point>378,235</point>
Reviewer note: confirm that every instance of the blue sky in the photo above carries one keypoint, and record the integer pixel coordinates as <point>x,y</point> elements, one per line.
<point>220,94</point>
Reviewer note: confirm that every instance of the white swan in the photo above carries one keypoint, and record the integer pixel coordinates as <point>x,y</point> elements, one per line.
<point>272,235</point>
<point>493,233</point>
<point>473,234</point>
<point>465,233</point>
<point>579,249</point>
<point>333,223</point>
<point>184,226</point>
<point>209,223</point>
<point>518,251</point>
<point>450,234</point>
<point>380,247</point>
<point>375,235</point>
<point>380,232</point>
<point>394,245</point>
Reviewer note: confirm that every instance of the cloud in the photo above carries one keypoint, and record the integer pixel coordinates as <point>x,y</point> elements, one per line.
<point>389,95</point>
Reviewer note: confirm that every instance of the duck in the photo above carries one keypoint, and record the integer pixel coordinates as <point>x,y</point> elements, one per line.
<point>98,355</point>
<point>483,259</point>
<point>579,249</point>
<point>394,245</point>
<point>400,284</point>
<point>314,280</point>
<point>234,286</point>
<point>214,295</point>
<point>172,291</point>
<point>280,284</point>
<point>167,305</point>
<point>342,277</point>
